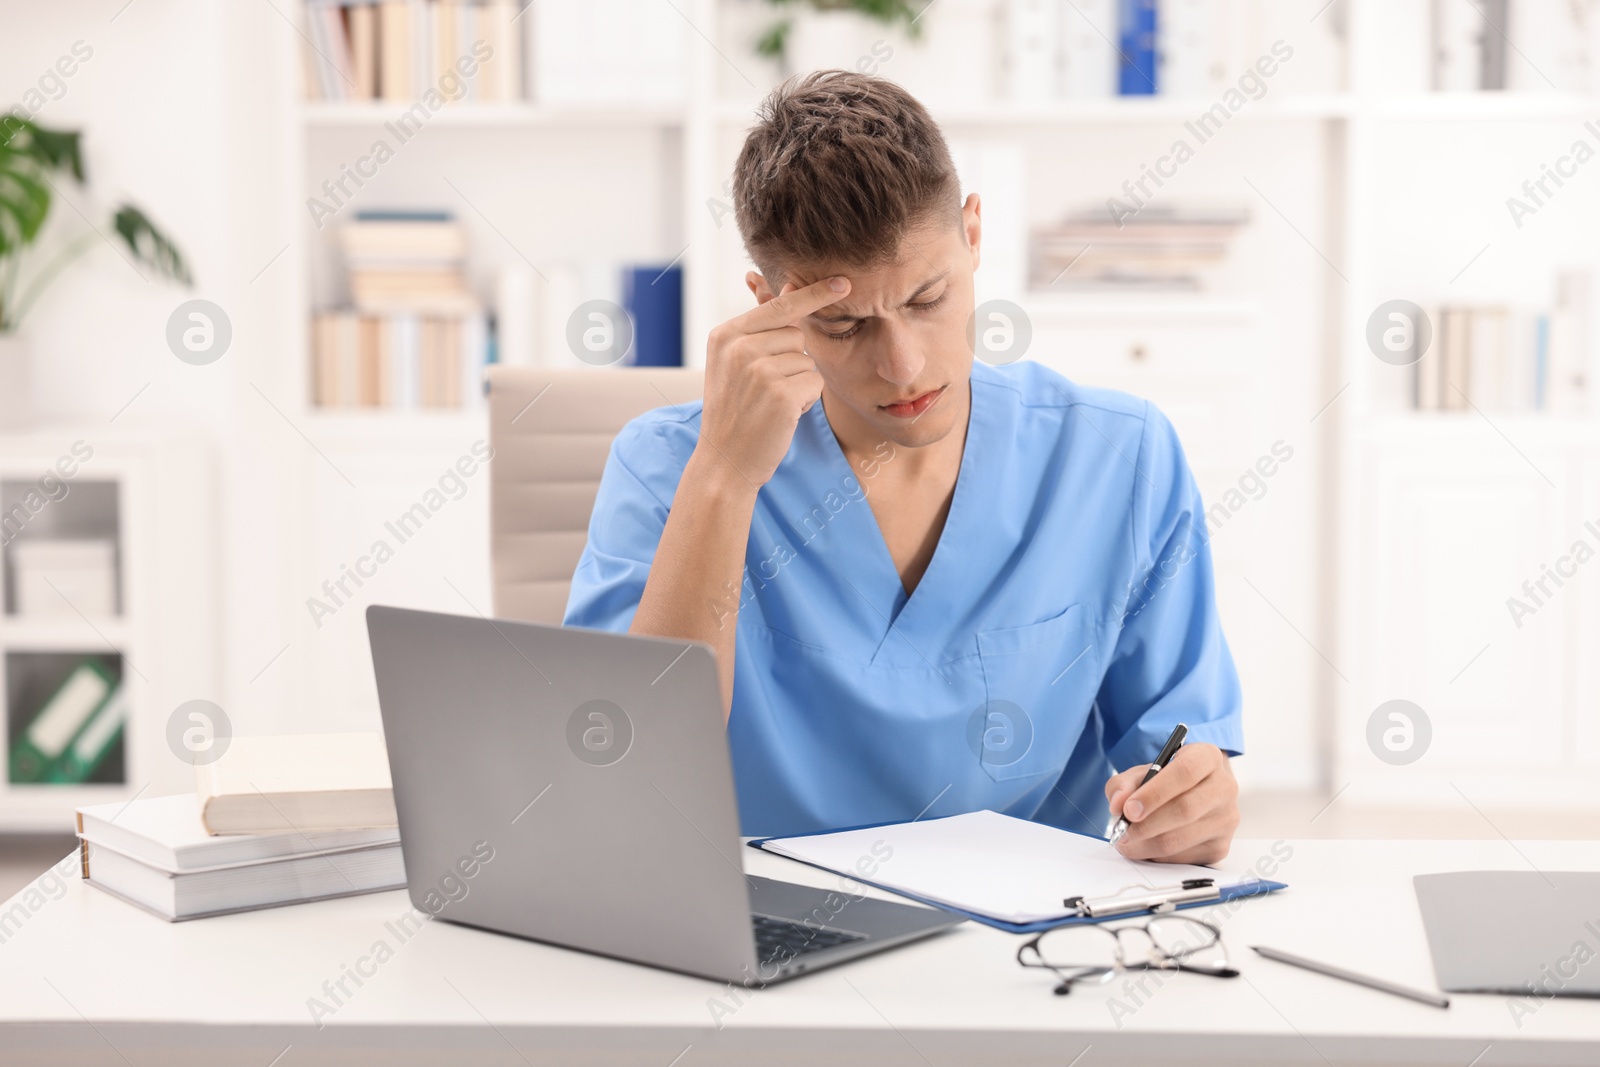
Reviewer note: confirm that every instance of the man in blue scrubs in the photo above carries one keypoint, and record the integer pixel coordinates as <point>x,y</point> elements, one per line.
<point>932,585</point>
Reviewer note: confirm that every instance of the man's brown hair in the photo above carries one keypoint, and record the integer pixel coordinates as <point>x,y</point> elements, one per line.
<point>838,166</point>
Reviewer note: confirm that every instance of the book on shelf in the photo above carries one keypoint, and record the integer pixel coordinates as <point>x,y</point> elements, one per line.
<point>1088,59</point>
<point>401,361</point>
<point>606,52</point>
<point>1033,43</point>
<point>1536,46</point>
<point>1460,46</point>
<point>1554,46</point>
<point>154,852</point>
<point>1502,359</point>
<point>653,298</point>
<point>1183,48</point>
<point>409,50</point>
<point>1137,29</point>
<point>41,752</point>
<point>297,783</point>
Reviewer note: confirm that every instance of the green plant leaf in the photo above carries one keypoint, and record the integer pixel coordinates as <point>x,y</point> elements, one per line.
<point>59,150</point>
<point>773,42</point>
<point>24,205</point>
<point>149,245</point>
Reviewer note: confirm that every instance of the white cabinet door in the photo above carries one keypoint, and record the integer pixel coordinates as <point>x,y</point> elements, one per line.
<point>1452,529</point>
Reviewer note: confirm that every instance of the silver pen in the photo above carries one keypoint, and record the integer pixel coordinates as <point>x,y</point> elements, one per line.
<point>1432,999</point>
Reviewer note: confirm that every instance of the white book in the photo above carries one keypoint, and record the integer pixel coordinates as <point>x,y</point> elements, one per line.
<point>564,70</point>
<point>1458,30</point>
<point>1088,49</point>
<point>559,296</point>
<point>1033,35</point>
<point>1520,371</point>
<point>1396,57</point>
<point>424,70</point>
<point>656,52</point>
<point>474,358</point>
<point>167,833</point>
<point>198,894</point>
<point>1183,44</point>
<point>1488,356</point>
<point>469,32</point>
<point>320,55</point>
<point>517,314</point>
<point>1551,46</point>
<point>1571,344</point>
<point>297,782</point>
<point>407,333</point>
<point>1318,45</point>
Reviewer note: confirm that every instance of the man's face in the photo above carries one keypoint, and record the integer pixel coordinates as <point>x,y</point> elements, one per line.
<point>893,354</point>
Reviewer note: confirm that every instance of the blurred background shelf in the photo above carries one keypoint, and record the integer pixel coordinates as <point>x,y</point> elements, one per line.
<point>1355,573</point>
<point>507,116</point>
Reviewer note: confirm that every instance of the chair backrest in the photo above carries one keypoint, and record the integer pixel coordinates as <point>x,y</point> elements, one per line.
<point>551,430</point>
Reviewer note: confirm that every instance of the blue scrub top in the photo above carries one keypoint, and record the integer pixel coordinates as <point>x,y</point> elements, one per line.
<point>1065,624</point>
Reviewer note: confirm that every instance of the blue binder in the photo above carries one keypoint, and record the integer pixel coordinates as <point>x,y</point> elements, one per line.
<point>1136,47</point>
<point>1254,888</point>
<point>653,296</point>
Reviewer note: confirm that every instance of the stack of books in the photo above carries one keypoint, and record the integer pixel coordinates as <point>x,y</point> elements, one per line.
<point>276,820</point>
<point>416,336</point>
<point>407,262</point>
<point>1137,248</point>
<point>406,50</point>
<point>76,729</point>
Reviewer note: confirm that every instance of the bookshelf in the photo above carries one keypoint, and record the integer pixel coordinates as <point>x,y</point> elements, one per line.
<point>148,495</point>
<point>1274,351</point>
<point>1486,496</point>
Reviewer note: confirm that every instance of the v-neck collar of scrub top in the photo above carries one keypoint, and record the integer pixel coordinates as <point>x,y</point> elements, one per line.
<point>920,618</point>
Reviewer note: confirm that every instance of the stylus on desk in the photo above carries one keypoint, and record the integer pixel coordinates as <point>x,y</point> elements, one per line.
<point>1331,971</point>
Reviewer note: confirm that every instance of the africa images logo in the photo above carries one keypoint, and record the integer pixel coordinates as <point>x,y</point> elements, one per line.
<point>599,732</point>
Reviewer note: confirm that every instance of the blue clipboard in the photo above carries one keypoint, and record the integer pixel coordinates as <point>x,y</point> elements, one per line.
<point>1251,888</point>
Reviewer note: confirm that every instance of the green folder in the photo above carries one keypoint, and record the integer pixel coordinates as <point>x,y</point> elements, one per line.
<point>99,737</point>
<point>62,718</point>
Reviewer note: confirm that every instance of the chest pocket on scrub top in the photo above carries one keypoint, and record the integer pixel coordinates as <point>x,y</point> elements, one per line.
<point>1039,683</point>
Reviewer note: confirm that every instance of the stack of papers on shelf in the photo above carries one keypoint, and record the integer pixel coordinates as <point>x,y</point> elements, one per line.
<point>156,853</point>
<point>1006,872</point>
<point>1133,247</point>
<point>301,783</point>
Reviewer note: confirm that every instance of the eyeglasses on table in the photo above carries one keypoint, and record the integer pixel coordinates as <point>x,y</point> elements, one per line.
<point>1096,952</point>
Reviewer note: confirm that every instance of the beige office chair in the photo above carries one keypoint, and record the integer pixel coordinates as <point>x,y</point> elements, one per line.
<point>551,430</point>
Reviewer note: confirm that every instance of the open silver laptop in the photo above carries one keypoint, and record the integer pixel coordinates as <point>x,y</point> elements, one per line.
<point>574,786</point>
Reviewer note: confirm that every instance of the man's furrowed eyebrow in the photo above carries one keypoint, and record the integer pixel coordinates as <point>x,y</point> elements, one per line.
<point>834,314</point>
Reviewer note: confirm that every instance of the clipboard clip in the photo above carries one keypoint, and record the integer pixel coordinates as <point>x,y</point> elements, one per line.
<point>1154,901</point>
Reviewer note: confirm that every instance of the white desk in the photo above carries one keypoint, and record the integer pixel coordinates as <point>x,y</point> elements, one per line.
<point>86,979</point>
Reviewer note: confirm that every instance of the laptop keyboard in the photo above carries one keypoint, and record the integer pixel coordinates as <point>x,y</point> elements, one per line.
<point>783,940</point>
